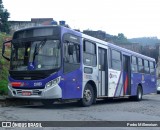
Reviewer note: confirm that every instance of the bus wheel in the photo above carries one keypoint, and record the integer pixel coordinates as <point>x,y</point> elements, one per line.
<point>88,96</point>
<point>47,102</point>
<point>139,93</point>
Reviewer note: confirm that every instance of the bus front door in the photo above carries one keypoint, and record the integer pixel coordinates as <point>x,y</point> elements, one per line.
<point>126,75</point>
<point>103,72</point>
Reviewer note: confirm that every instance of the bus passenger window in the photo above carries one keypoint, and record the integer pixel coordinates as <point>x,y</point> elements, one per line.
<point>146,67</point>
<point>152,66</point>
<point>89,53</point>
<point>134,64</point>
<point>115,60</point>
<point>140,65</point>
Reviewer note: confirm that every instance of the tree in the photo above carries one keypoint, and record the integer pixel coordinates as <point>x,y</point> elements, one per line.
<point>4,15</point>
<point>121,36</point>
<point>120,39</point>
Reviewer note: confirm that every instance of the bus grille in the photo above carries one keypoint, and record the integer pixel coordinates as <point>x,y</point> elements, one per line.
<point>33,92</point>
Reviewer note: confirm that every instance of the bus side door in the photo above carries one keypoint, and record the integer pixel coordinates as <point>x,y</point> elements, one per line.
<point>126,75</point>
<point>103,72</point>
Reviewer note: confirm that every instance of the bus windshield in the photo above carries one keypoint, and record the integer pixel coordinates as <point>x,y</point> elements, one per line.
<point>36,55</point>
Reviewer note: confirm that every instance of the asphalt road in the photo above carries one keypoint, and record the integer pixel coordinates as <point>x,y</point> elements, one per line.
<point>114,110</point>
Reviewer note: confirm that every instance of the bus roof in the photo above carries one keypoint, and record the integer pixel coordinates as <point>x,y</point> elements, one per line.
<point>117,47</point>
<point>129,52</point>
<point>80,34</point>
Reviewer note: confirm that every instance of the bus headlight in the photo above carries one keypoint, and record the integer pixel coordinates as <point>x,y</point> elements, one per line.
<point>53,82</point>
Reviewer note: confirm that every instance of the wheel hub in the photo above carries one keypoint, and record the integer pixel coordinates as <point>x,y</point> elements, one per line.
<point>87,95</point>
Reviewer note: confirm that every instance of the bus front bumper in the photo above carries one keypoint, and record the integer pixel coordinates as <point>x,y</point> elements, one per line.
<point>52,92</point>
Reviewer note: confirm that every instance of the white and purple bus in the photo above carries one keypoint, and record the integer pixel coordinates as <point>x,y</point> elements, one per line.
<point>57,63</point>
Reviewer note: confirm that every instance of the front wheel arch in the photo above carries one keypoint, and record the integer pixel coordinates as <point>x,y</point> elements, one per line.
<point>88,96</point>
<point>92,83</point>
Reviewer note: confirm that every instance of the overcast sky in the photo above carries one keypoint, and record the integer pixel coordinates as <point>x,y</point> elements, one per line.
<point>133,18</point>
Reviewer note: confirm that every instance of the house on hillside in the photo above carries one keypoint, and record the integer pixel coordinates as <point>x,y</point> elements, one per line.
<point>16,25</point>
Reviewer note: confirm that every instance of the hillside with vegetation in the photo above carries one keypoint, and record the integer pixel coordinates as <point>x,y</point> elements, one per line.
<point>116,39</point>
<point>145,40</point>
<point>4,66</point>
<point>4,30</point>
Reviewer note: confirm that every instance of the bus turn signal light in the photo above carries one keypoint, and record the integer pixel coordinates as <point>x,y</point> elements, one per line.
<point>17,84</point>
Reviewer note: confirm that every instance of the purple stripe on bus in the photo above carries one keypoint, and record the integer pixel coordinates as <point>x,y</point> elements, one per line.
<point>117,84</point>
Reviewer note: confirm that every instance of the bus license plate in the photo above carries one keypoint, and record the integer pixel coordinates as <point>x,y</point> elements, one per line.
<point>26,93</point>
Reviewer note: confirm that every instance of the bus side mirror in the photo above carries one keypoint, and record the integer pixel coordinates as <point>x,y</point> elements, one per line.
<point>70,49</point>
<point>5,47</point>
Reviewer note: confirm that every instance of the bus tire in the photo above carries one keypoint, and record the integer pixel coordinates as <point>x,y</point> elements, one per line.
<point>47,102</point>
<point>88,96</point>
<point>139,93</point>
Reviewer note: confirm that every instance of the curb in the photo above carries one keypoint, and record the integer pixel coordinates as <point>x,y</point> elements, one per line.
<point>2,100</point>
<point>6,101</point>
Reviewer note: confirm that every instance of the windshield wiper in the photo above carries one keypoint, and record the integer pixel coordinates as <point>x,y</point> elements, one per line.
<point>38,47</point>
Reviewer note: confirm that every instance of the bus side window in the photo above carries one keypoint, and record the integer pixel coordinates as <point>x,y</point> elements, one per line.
<point>134,64</point>
<point>109,57</point>
<point>74,56</point>
<point>152,66</point>
<point>71,56</point>
<point>146,67</point>
<point>89,53</point>
<point>115,60</point>
<point>140,66</point>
